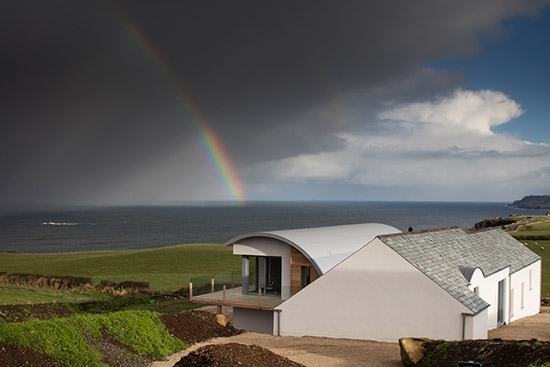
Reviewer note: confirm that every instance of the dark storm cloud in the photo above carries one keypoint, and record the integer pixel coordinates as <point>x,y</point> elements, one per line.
<point>83,108</point>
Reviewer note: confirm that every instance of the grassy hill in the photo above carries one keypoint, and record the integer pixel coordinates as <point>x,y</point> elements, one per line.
<point>65,338</point>
<point>167,268</point>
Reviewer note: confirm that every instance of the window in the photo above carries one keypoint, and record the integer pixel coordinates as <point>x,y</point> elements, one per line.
<point>522,296</point>
<point>476,290</point>
<point>306,276</point>
<point>511,302</point>
<point>530,279</point>
<point>263,273</point>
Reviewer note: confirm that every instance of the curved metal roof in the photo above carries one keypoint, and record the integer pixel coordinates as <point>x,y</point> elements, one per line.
<point>325,247</point>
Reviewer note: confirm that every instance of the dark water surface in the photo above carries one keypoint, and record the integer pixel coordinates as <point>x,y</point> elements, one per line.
<point>118,228</point>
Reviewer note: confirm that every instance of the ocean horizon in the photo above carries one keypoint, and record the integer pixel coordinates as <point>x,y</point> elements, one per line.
<point>70,229</point>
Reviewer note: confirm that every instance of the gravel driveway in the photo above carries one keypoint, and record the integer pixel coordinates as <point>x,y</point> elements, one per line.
<point>332,352</point>
<point>313,351</point>
<point>536,326</point>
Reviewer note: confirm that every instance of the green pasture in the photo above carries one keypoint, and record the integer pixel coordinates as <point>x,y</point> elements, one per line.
<point>12,295</point>
<point>542,248</point>
<point>167,268</point>
<point>533,229</point>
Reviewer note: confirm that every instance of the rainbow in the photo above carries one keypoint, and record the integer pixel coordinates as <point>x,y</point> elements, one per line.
<point>210,141</point>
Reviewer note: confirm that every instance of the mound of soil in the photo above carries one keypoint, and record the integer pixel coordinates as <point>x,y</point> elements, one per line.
<point>234,354</point>
<point>196,326</point>
<point>191,327</point>
<point>491,353</point>
<point>40,311</point>
<point>19,356</point>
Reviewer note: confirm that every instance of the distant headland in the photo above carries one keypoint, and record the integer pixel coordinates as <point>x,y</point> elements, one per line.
<point>533,202</point>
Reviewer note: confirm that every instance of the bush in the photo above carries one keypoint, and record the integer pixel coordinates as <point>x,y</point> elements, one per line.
<point>531,237</point>
<point>127,284</point>
<point>109,305</point>
<point>493,222</point>
<point>46,281</point>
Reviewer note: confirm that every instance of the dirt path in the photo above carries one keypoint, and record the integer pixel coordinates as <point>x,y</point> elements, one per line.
<point>332,352</point>
<point>536,326</point>
<point>312,351</point>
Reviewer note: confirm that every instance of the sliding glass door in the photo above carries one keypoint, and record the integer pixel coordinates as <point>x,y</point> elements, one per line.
<point>262,272</point>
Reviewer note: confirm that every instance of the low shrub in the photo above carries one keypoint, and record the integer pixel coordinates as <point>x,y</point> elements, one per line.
<point>531,237</point>
<point>127,284</point>
<point>109,305</point>
<point>493,222</point>
<point>46,281</point>
<point>67,282</point>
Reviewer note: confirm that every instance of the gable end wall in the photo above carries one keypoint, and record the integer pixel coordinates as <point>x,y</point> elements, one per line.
<point>374,294</point>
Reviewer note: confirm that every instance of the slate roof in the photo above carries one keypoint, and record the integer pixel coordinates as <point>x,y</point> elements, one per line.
<point>440,253</point>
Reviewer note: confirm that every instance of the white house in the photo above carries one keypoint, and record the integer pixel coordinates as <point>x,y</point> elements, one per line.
<point>369,281</point>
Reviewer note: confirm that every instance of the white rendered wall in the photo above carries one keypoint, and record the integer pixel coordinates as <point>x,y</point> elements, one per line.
<point>476,326</point>
<point>488,291</point>
<point>258,321</point>
<point>531,292</point>
<point>374,294</point>
<point>262,246</point>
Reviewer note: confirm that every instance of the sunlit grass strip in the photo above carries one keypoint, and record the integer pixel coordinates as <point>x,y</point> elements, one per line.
<point>533,229</point>
<point>542,248</point>
<point>10,295</point>
<point>167,268</point>
<point>63,339</point>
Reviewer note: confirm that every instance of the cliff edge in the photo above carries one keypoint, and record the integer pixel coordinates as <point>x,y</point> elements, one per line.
<point>533,202</point>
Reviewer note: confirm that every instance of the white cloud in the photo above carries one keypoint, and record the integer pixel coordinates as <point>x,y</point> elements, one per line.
<point>476,111</point>
<point>444,146</point>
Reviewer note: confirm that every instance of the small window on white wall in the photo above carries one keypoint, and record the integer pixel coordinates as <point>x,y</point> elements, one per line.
<point>530,279</point>
<point>476,290</point>
<point>522,295</point>
<point>512,302</point>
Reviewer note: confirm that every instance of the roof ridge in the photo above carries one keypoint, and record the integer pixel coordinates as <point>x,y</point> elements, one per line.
<point>418,232</point>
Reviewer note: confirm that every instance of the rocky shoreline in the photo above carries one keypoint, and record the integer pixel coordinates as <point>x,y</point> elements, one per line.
<point>533,202</point>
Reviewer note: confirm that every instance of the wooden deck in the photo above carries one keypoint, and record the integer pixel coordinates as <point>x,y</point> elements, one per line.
<point>234,298</point>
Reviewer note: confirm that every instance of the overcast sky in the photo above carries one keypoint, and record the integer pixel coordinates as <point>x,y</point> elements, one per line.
<point>312,100</point>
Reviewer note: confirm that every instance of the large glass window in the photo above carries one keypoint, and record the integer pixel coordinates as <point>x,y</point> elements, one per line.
<point>264,274</point>
<point>306,276</point>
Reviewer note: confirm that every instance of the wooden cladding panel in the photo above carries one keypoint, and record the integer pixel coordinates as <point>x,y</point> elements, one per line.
<point>297,260</point>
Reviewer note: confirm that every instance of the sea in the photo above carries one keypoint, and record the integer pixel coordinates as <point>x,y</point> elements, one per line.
<point>141,227</point>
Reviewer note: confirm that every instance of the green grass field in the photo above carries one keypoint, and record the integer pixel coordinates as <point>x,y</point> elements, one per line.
<point>167,268</point>
<point>537,229</point>
<point>542,248</point>
<point>13,295</point>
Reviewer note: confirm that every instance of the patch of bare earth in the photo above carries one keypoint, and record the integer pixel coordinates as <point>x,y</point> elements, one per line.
<point>532,327</point>
<point>20,356</point>
<point>490,353</point>
<point>311,351</point>
<point>115,353</point>
<point>233,354</point>
<point>196,326</point>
